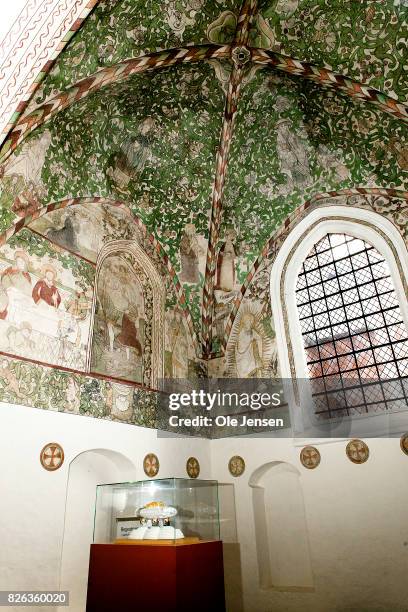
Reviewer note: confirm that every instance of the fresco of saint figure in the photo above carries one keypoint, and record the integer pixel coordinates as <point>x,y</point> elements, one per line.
<point>69,336</point>
<point>118,337</point>
<point>226,264</point>
<point>177,345</point>
<point>293,155</point>
<point>128,336</point>
<point>248,349</point>
<point>251,348</point>
<point>15,284</point>
<point>190,251</point>
<point>85,228</point>
<point>22,187</point>
<point>132,157</point>
<point>45,291</point>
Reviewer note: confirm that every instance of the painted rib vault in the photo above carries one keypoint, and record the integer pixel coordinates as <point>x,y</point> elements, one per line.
<point>147,185</point>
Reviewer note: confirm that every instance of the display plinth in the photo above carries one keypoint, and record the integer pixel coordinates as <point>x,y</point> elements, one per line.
<point>172,578</point>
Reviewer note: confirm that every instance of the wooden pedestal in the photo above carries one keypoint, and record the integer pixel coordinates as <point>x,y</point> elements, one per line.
<point>174,578</point>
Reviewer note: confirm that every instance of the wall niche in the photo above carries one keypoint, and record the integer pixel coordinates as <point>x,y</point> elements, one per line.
<point>281,534</point>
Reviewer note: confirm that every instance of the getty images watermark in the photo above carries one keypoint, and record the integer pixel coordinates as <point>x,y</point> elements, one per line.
<point>208,401</point>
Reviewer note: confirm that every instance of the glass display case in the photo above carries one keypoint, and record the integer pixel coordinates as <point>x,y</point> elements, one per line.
<point>159,511</point>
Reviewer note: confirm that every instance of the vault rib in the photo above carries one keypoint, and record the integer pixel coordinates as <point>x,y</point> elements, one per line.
<point>331,79</point>
<point>112,74</point>
<point>241,37</point>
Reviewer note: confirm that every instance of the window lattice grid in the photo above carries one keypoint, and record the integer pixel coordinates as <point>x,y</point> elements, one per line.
<point>354,336</point>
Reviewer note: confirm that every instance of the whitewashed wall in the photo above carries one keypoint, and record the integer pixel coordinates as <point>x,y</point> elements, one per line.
<point>356,515</point>
<point>357,525</point>
<point>32,500</point>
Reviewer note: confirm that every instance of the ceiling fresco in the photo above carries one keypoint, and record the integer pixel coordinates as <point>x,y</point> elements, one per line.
<point>161,142</point>
<point>118,30</point>
<point>293,139</point>
<point>159,158</point>
<point>365,40</point>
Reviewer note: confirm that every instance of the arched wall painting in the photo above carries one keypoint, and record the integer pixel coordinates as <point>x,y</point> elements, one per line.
<point>45,302</point>
<point>85,228</point>
<point>127,334</point>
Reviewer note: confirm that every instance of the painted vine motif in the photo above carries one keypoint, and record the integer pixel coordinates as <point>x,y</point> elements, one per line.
<point>292,141</point>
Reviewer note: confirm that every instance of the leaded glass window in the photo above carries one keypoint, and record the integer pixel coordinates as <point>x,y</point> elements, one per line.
<point>355,339</point>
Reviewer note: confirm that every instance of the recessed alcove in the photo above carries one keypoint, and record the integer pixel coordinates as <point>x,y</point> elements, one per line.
<point>282,543</point>
<point>86,470</point>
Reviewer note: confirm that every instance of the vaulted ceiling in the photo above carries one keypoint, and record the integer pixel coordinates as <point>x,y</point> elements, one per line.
<point>228,116</point>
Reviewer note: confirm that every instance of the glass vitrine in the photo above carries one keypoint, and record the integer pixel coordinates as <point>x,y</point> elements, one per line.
<point>166,510</point>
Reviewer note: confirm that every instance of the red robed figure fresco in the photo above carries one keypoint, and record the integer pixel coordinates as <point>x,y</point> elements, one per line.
<point>46,290</point>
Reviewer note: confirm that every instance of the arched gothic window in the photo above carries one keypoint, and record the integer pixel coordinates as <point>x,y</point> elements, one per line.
<point>355,339</point>
<point>338,298</point>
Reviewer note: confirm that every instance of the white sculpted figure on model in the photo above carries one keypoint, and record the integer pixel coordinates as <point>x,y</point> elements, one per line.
<point>156,514</point>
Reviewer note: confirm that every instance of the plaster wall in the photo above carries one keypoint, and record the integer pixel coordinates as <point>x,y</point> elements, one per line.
<point>9,14</point>
<point>33,501</point>
<point>355,514</point>
<point>356,525</point>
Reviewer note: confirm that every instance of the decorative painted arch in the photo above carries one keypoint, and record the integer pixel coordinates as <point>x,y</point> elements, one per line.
<point>192,54</point>
<point>271,248</point>
<point>158,248</point>
<point>30,48</point>
<point>143,269</point>
<point>107,76</point>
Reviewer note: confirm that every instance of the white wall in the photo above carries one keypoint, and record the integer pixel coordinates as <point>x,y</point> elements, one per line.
<point>9,13</point>
<point>356,514</point>
<point>32,500</point>
<point>357,526</point>
<point>282,541</point>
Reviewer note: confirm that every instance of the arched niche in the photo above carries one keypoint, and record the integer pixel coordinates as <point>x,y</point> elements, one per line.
<point>128,315</point>
<point>86,471</point>
<point>282,543</point>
